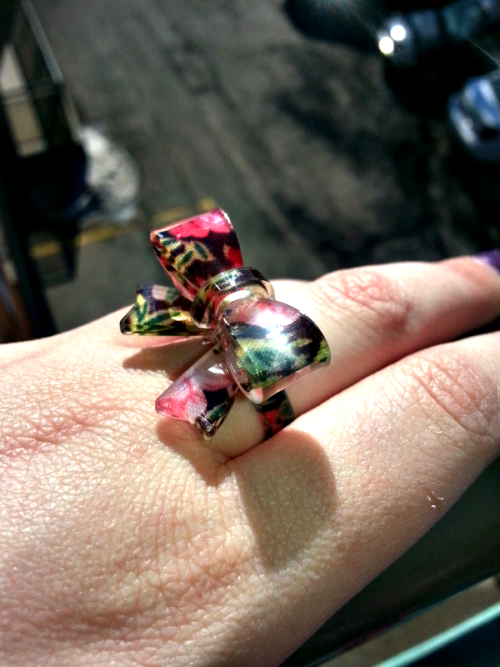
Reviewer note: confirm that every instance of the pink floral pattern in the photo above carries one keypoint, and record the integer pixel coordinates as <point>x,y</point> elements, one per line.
<point>260,345</point>
<point>194,250</point>
<point>203,395</point>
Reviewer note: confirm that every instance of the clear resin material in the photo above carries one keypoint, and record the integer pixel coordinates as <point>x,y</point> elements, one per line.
<point>260,346</point>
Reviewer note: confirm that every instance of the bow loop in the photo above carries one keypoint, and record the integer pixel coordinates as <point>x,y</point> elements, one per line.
<point>269,345</point>
<point>196,249</point>
<point>160,311</point>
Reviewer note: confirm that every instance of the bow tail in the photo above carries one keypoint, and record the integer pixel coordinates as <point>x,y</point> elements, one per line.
<point>160,311</point>
<point>275,413</point>
<point>203,395</point>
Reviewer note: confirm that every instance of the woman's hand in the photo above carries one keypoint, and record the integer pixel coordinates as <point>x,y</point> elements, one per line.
<point>125,539</point>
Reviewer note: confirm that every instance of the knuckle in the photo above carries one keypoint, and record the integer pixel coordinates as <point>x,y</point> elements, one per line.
<point>454,392</point>
<point>368,293</point>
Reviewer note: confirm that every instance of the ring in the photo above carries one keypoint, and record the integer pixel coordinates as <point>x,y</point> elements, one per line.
<point>258,346</point>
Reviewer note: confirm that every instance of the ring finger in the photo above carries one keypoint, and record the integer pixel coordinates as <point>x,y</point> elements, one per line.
<point>371,317</point>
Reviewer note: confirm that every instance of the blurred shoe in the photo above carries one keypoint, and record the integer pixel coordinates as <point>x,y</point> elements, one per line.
<point>407,39</point>
<point>112,179</point>
<point>53,184</point>
<point>92,181</point>
<point>474,115</point>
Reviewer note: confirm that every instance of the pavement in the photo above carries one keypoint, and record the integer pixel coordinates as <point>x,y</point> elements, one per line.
<point>301,142</point>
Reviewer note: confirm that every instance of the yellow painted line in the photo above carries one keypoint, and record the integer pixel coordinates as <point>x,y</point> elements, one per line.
<point>42,250</point>
<point>109,231</point>
<point>184,211</point>
<point>87,237</point>
<point>172,214</point>
<point>206,204</point>
<point>90,236</point>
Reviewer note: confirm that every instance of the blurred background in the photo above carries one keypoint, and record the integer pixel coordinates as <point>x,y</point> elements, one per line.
<point>335,133</point>
<point>324,153</point>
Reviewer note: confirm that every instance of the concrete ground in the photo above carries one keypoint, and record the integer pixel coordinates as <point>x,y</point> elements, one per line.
<point>301,142</point>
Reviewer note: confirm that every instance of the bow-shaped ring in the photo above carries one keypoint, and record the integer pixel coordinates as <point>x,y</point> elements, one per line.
<point>259,345</point>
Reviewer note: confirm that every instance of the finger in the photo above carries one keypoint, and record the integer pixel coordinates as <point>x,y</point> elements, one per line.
<point>374,316</point>
<point>356,481</point>
<point>371,317</point>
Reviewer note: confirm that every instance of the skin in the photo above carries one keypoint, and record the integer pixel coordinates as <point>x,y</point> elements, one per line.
<point>125,539</point>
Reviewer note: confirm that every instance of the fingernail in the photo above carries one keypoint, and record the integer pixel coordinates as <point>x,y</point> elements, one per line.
<point>491,258</point>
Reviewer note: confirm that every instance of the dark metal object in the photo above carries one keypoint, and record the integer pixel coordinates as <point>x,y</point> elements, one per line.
<point>12,219</point>
<point>353,22</point>
<point>44,79</point>
<point>6,17</point>
<point>41,191</point>
<point>405,39</point>
<point>408,39</point>
<point>474,643</point>
<point>462,549</point>
<point>474,115</point>
<point>346,21</point>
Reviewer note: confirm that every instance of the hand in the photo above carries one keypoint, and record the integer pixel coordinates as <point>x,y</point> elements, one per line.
<point>125,539</point>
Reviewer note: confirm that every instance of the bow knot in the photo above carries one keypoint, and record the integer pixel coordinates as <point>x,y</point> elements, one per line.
<point>260,345</point>
<point>216,294</point>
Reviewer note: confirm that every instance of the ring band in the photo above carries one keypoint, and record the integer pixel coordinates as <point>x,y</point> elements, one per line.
<point>260,346</point>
